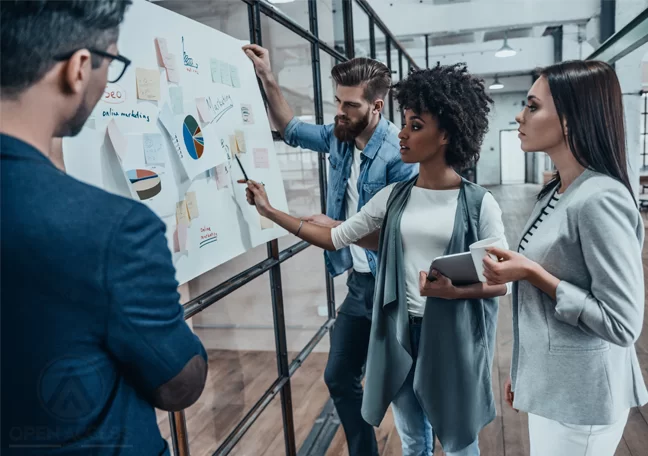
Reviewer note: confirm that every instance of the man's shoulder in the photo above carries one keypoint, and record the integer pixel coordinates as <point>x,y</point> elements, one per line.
<point>42,195</point>
<point>390,148</point>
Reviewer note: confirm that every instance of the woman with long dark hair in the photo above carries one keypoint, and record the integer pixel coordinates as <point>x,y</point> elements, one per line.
<point>578,293</point>
<point>431,344</point>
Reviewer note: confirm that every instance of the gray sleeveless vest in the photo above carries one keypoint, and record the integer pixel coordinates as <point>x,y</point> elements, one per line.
<point>453,372</point>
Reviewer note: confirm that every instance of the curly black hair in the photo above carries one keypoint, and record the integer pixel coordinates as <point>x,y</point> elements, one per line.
<point>457,99</point>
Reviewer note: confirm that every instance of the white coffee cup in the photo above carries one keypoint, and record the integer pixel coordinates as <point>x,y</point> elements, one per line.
<point>478,253</point>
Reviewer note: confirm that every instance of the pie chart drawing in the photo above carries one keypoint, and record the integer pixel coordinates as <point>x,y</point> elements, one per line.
<point>146,183</point>
<point>193,137</point>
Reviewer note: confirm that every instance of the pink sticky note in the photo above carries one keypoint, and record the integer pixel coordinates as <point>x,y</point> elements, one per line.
<point>176,242</point>
<point>162,50</point>
<point>119,141</point>
<point>182,237</point>
<point>261,158</point>
<point>173,75</point>
<point>222,176</point>
<point>203,109</point>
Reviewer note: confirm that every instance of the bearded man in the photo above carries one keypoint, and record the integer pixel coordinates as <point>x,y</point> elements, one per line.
<point>364,155</point>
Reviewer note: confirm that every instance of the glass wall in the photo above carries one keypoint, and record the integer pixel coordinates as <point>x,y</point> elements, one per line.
<point>244,328</point>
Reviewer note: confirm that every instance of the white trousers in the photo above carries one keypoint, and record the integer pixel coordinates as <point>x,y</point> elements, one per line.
<point>552,438</point>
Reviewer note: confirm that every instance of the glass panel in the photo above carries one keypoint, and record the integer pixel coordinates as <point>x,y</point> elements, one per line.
<point>297,10</point>
<point>228,16</point>
<point>265,437</point>
<point>309,392</point>
<point>330,23</point>
<point>163,424</point>
<point>381,55</point>
<point>328,87</point>
<point>238,333</point>
<point>361,32</point>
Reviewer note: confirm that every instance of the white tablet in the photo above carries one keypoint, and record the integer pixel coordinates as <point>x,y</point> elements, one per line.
<point>459,268</point>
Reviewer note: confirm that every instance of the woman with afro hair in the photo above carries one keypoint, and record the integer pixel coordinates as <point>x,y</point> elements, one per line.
<point>432,342</point>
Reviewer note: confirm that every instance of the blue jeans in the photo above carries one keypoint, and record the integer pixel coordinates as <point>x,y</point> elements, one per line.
<point>347,357</point>
<point>416,433</point>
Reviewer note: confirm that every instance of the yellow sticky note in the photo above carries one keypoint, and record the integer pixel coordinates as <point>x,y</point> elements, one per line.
<point>240,141</point>
<point>192,205</point>
<point>233,147</point>
<point>182,214</point>
<point>266,223</point>
<point>148,84</point>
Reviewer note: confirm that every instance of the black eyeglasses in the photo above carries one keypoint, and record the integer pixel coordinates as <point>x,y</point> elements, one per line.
<point>116,68</point>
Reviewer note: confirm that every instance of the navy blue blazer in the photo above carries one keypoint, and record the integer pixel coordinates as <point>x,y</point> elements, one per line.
<point>91,323</point>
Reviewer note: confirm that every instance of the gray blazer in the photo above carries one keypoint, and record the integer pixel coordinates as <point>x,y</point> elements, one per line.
<point>574,359</point>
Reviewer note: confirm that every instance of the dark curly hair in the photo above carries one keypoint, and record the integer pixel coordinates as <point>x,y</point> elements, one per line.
<point>457,99</point>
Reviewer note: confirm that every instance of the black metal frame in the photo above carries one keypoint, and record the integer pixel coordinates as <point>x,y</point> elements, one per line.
<point>272,264</point>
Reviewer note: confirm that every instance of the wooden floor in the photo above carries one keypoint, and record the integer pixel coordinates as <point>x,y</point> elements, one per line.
<point>238,378</point>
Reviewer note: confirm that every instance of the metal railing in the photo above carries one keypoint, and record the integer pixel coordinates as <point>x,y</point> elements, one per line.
<point>272,265</point>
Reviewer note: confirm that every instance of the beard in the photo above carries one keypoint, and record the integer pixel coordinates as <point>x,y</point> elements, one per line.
<point>75,125</point>
<point>351,130</point>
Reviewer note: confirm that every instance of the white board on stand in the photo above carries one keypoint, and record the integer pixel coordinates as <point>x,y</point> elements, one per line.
<point>166,134</point>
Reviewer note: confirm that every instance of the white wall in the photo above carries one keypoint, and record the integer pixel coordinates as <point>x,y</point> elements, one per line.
<point>505,107</point>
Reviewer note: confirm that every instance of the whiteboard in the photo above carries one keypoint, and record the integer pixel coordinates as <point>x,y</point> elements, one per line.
<point>166,134</point>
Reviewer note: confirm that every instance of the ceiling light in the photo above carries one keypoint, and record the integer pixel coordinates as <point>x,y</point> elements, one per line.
<point>505,50</point>
<point>496,85</point>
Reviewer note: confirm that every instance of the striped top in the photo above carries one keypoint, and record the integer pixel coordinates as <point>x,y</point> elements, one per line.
<point>545,212</point>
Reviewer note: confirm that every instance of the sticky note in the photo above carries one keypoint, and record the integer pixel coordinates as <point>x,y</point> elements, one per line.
<point>153,148</point>
<point>261,158</point>
<point>240,141</point>
<point>246,114</point>
<point>226,77</point>
<point>119,141</point>
<point>203,109</point>
<point>232,144</point>
<point>182,236</point>
<point>176,241</point>
<point>161,49</point>
<point>266,223</point>
<point>234,74</point>
<point>148,84</point>
<point>182,215</point>
<point>192,205</point>
<point>222,176</point>
<point>173,75</point>
<point>177,100</point>
<point>214,66</point>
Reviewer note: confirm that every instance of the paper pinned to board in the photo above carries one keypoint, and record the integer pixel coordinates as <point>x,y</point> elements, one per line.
<point>192,205</point>
<point>204,111</point>
<point>119,141</point>
<point>177,100</point>
<point>261,158</point>
<point>153,148</point>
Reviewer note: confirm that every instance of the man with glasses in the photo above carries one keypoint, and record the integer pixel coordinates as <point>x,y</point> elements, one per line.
<point>93,335</point>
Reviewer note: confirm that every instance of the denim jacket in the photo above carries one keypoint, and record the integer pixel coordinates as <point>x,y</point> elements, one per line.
<point>381,165</point>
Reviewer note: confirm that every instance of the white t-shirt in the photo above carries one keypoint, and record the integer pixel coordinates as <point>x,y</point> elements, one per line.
<point>360,262</point>
<point>426,229</point>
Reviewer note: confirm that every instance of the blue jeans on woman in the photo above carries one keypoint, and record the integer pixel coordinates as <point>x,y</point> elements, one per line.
<point>416,433</point>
